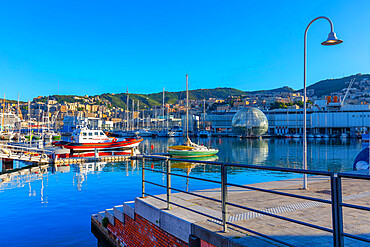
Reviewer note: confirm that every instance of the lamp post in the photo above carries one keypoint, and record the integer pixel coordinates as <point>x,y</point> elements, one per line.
<point>331,40</point>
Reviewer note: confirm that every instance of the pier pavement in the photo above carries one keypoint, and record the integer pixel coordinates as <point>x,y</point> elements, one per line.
<point>356,221</point>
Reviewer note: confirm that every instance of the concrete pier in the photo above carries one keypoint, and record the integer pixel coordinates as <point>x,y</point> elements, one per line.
<point>152,220</point>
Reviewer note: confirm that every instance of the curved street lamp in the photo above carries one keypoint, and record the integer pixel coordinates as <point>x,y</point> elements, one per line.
<point>331,40</point>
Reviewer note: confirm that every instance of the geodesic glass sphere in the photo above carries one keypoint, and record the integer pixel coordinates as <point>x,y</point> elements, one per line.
<point>250,122</point>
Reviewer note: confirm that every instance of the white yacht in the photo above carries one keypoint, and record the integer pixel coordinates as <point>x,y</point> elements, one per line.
<point>176,131</point>
<point>7,135</point>
<point>297,136</point>
<point>147,133</point>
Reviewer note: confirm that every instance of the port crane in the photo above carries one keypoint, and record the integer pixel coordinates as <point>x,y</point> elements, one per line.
<point>349,87</point>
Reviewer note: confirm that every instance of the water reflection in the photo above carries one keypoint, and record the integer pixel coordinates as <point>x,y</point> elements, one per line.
<point>322,154</point>
<point>53,195</point>
<point>86,168</point>
<point>325,154</point>
<point>188,166</point>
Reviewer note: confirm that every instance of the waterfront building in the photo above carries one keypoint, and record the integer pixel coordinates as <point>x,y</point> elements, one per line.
<point>11,121</point>
<point>70,123</point>
<point>323,117</point>
<point>250,121</point>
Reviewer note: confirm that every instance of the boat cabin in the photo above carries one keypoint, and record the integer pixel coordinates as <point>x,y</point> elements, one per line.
<point>85,135</point>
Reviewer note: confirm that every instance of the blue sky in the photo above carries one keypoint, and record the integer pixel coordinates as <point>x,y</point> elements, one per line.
<point>92,47</point>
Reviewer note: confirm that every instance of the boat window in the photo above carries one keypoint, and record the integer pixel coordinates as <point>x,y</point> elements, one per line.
<point>84,134</point>
<point>90,133</point>
<point>101,133</point>
<point>96,133</point>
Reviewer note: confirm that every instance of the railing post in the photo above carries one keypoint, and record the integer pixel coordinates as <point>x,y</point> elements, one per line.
<point>337,215</point>
<point>224,196</point>
<point>143,179</point>
<point>168,171</point>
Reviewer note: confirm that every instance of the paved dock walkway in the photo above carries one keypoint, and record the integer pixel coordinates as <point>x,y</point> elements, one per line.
<point>356,221</point>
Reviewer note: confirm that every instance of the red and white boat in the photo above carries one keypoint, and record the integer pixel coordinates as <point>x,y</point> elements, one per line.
<point>84,139</point>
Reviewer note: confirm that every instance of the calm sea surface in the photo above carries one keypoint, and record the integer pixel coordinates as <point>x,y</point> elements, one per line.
<point>54,208</point>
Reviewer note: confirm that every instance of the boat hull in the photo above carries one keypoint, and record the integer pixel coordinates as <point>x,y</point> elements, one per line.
<point>191,154</point>
<point>126,144</point>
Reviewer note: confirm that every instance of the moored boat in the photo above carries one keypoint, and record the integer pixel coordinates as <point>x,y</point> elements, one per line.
<point>176,131</point>
<point>84,139</point>
<point>204,134</point>
<point>362,160</point>
<point>190,150</point>
<point>7,135</point>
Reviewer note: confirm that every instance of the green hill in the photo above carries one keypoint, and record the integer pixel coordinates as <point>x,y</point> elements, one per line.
<point>155,99</point>
<point>324,87</point>
<point>328,86</point>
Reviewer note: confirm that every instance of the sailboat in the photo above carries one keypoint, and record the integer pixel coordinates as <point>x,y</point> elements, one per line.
<point>164,131</point>
<point>6,134</point>
<point>204,133</point>
<point>190,149</point>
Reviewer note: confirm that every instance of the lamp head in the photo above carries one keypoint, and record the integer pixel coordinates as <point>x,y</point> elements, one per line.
<point>332,40</point>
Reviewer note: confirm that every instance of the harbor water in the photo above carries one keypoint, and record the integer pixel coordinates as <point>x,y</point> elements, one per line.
<point>54,208</point>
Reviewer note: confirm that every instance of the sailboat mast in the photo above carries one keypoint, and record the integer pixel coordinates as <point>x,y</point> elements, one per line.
<point>133,114</point>
<point>19,133</point>
<point>167,118</point>
<point>163,109</point>
<point>187,108</point>
<point>155,117</point>
<point>138,114</point>
<point>48,126</point>
<point>29,119</point>
<point>18,105</point>
<point>2,120</point>
<point>204,114</point>
<point>127,113</point>
<point>38,122</point>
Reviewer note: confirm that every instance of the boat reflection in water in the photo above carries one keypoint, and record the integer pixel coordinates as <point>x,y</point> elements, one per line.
<point>188,166</point>
<point>84,169</point>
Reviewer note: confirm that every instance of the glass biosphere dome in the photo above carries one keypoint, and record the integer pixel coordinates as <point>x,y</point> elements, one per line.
<point>250,122</point>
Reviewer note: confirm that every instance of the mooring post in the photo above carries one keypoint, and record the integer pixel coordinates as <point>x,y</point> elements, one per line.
<point>132,154</point>
<point>168,171</point>
<point>224,196</point>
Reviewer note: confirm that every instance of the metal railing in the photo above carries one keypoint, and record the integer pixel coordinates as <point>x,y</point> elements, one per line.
<point>335,185</point>
<point>20,151</point>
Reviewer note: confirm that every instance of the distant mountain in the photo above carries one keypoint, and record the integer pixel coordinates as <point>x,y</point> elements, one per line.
<point>155,99</point>
<point>324,87</point>
<point>276,90</point>
<point>328,86</point>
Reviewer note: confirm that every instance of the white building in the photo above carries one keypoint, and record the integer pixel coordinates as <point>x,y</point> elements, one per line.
<point>322,117</point>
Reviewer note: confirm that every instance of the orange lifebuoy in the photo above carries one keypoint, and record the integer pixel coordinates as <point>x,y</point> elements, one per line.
<point>114,139</point>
